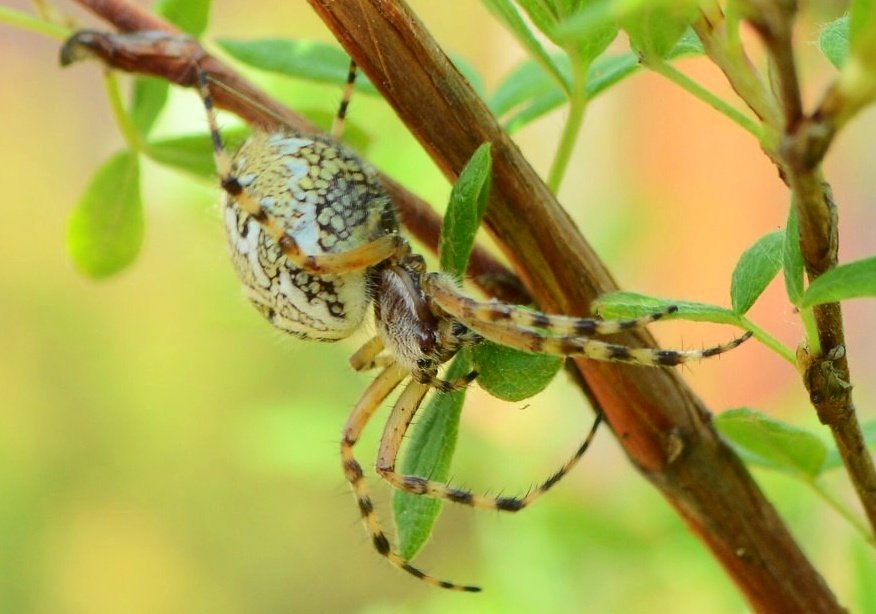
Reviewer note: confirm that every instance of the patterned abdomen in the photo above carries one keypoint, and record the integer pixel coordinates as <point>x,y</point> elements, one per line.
<point>329,201</point>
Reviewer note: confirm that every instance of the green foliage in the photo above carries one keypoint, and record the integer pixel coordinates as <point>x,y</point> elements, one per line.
<point>190,16</point>
<point>655,29</point>
<point>853,280</point>
<point>833,40</point>
<point>148,97</point>
<point>862,31</point>
<point>192,153</point>
<point>792,258</point>
<point>756,268</point>
<point>512,375</point>
<point>429,453</point>
<point>468,203</point>
<point>105,231</point>
<point>306,59</point>
<point>772,443</point>
<point>623,305</point>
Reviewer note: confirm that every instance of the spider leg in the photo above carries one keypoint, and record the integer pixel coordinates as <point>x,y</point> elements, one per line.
<point>370,402</point>
<point>339,263</point>
<point>390,444</point>
<point>367,357</point>
<point>530,339</point>
<point>450,298</point>
<point>432,380</point>
<point>594,349</point>
<point>338,123</point>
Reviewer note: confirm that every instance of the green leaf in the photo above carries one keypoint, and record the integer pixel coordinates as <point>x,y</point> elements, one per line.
<point>862,30</point>
<point>834,460</point>
<point>792,258</point>
<point>190,16</point>
<point>655,29</point>
<point>468,202</point>
<point>772,443</point>
<point>148,98</point>
<point>757,267</point>
<point>541,15</point>
<point>428,455</point>
<point>512,375</point>
<point>312,60</point>
<point>689,44</point>
<point>863,570</point>
<point>853,280</point>
<point>623,305</point>
<point>602,74</point>
<point>105,231</point>
<point>505,11</point>
<point>193,153</point>
<point>526,81</point>
<point>833,40</point>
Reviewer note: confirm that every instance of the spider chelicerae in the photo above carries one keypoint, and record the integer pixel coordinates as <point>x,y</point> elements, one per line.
<point>316,244</point>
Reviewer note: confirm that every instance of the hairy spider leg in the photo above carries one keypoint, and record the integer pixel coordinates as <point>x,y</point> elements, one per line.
<point>449,298</point>
<point>517,316</point>
<point>354,259</point>
<point>368,356</point>
<point>370,402</point>
<point>390,444</point>
<point>341,116</point>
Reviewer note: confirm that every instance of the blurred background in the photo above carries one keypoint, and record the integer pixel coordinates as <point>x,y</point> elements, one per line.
<point>162,449</point>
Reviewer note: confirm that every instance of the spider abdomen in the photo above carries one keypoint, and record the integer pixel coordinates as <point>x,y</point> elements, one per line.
<point>328,201</point>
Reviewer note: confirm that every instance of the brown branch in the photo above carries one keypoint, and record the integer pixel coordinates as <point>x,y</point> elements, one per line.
<point>664,428</point>
<point>174,59</point>
<point>826,375</point>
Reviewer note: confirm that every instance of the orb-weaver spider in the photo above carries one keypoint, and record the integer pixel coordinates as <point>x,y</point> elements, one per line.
<point>315,241</point>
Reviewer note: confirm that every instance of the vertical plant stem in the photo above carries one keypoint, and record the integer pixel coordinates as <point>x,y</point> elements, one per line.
<point>577,109</point>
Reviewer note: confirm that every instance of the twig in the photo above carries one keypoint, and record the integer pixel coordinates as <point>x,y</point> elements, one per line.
<point>826,374</point>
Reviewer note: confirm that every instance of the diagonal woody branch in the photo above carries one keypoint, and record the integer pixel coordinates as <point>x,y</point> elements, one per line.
<point>664,428</point>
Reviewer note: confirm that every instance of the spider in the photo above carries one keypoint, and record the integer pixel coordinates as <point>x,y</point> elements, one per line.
<point>315,241</point>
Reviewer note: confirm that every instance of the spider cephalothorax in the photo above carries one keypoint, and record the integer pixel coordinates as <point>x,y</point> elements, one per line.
<point>315,242</point>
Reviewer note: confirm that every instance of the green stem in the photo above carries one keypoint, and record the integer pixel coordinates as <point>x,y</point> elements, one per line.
<point>768,340</point>
<point>32,24</point>
<point>719,104</point>
<point>129,131</point>
<point>811,328</point>
<point>577,109</point>
<point>841,510</point>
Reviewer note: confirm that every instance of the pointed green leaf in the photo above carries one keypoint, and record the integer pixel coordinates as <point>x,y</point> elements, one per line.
<point>468,202</point>
<point>689,44</point>
<point>305,59</point>
<point>542,16</point>
<point>622,305</point>
<point>193,153</point>
<point>853,280</point>
<point>833,40</point>
<point>772,443</point>
<point>526,81</point>
<point>512,375</point>
<point>428,455</point>
<point>792,258</point>
<point>863,570</point>
<point>190,16</point>
<point>655,29</point>
<point>757,267</point>
<point>507,13</point>
<point>105,231</point>
<point>602,74</point>
<point>148,98</point>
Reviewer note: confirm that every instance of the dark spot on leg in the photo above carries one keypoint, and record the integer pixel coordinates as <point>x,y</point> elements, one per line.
<point>552,480</point>
<point>353,471</point>
<point>540,320</point>
<point>233,187</point>
<point>620,353</point>
<point>366,508</point>
<point>668,358</point>
<point>460,496</point>
<point>381,544</point>
<point>585,328</point>
<point>413,570</point>
<point>414,484</point>
<point>509,504</point>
